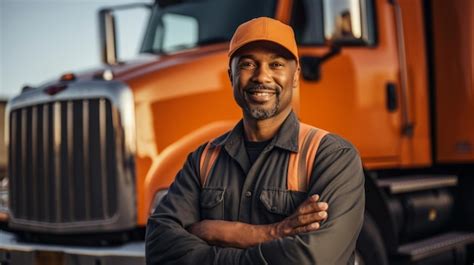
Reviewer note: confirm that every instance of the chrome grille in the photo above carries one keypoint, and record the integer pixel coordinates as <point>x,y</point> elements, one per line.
<point>63,164</point>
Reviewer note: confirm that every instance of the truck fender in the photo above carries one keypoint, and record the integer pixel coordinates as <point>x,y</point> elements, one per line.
<point>167,163</point>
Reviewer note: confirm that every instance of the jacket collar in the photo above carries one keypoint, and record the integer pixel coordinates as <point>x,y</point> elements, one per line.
<point>286,137</point>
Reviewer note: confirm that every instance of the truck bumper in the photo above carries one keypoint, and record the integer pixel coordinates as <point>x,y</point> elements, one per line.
<point>13,252</point>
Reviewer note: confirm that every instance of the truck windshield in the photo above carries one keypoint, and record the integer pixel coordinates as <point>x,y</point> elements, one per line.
<point>192,23</point>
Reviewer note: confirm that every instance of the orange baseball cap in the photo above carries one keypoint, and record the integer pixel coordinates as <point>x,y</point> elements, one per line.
<point>264,29</point>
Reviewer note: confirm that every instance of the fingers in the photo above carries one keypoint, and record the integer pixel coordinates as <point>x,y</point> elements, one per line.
<point>306,229</point>
<point>312,205</point>
<point>303,229</point>
<point>307,219</point>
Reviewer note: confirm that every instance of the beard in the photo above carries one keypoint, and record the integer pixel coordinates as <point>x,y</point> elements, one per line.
<point>260,112</point>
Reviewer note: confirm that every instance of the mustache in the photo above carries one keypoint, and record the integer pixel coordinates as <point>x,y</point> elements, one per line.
<point>262,87</point>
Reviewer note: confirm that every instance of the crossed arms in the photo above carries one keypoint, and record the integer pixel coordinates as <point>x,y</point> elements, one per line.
<point>176,235</point>
<point>242,235</point>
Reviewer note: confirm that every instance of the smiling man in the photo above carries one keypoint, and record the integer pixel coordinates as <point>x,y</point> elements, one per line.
<point>255,195</point>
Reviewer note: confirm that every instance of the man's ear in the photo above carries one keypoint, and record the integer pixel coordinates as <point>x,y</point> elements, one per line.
<point>296,77</point>
<point>229,72</point>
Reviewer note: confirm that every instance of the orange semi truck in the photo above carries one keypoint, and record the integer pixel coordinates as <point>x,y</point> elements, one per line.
<point>92,154</point>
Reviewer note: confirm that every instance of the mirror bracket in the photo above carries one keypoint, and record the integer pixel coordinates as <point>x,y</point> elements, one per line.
<point>311,65</point>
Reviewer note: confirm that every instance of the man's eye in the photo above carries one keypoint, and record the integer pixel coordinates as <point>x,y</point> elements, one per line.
<point>277,65</point>
<point>246,65</point>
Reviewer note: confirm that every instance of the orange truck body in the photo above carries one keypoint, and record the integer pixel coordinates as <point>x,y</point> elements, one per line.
<point>350,104</point>
<point>183,99</point>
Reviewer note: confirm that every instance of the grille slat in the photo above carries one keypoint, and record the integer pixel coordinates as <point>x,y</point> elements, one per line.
<point>23,177</point>
<point>87,169</point>
<point>70,158</point>
<point>77,157</point>
<point>103,156</point>
<point>34,164</point>
<point>29,157</point>
<point>63,164</point>
<point>57,160</point>
<point>40,160</point>
<point>94,162</point>
<point>45,175</point>
<point>50,178</point>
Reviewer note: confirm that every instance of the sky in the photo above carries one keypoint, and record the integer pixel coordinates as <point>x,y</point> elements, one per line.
<point>43,39</point>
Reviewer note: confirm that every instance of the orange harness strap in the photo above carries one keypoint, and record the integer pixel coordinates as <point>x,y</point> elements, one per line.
<point>300,164</point>
<point>207,160</point>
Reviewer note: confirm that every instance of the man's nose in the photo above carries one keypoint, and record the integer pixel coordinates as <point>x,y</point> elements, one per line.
<point>262,74</point>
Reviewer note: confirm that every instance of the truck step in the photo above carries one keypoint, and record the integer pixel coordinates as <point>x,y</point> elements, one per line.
<point>435,245</point>
<point>416,183</point>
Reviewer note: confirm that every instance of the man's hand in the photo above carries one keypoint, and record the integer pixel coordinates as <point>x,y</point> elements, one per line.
<point>241,235</point>
<point>305,219</point>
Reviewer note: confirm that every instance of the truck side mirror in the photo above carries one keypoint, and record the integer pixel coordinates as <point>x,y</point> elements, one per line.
<point>349,22</point>
<point>343,23</point>
<point>108,30</point>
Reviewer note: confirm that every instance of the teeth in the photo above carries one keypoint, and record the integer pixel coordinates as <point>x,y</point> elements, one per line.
<point>261,93</point>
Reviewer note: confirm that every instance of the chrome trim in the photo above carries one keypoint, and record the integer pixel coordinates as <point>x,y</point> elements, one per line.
<point>85,127</point>
<point>46,155</point>
<point>107,31</point>
<point>103,155</point>
<point>407,122</point>
<point>108,36</point>
<point>129,253</point>
<point>57,156</point>
<point>116,91</point>
<point>123,115</point>
<point>70,143</point>
<point>55,227</point>
<point>34,128</point>
<point>416,183</point>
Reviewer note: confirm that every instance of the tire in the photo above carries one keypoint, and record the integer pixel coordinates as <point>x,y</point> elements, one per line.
<point>370,249</point>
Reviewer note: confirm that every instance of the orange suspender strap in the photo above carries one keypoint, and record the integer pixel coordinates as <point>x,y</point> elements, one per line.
<point>300,165</point>
<point>207,160</point>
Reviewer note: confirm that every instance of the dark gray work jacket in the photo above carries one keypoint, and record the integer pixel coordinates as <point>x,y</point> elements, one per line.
<point>257,194</point>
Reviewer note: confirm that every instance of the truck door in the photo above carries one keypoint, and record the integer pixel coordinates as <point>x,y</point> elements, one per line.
<point>355,92</point>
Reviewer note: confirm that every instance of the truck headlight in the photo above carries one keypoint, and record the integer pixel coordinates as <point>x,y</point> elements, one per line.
<point>158,197</point>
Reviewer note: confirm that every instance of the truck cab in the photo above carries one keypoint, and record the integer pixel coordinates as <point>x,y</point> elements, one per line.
<point>92,153</point>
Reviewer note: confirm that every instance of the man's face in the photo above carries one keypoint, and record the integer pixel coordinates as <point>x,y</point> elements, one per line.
<point>263,76</point>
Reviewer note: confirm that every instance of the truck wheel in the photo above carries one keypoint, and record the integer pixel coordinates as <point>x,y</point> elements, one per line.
<point>370,248</point>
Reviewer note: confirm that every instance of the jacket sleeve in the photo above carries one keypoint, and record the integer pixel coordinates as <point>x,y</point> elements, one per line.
<point>338,177</point>
<point>168,241</point>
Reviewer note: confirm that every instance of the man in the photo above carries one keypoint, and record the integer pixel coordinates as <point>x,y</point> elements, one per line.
<point>244,207</point>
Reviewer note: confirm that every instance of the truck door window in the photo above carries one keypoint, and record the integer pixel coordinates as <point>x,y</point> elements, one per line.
<point>307,22</point>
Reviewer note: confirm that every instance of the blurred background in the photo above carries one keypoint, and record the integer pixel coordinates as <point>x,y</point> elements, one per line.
<point>41,39</point>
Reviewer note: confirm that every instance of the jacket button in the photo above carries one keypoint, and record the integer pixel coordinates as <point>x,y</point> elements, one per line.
<point>273,209</point>
<point>248,194</point>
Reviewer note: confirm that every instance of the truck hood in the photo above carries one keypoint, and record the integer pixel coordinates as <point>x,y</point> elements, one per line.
<point>142,64</point>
